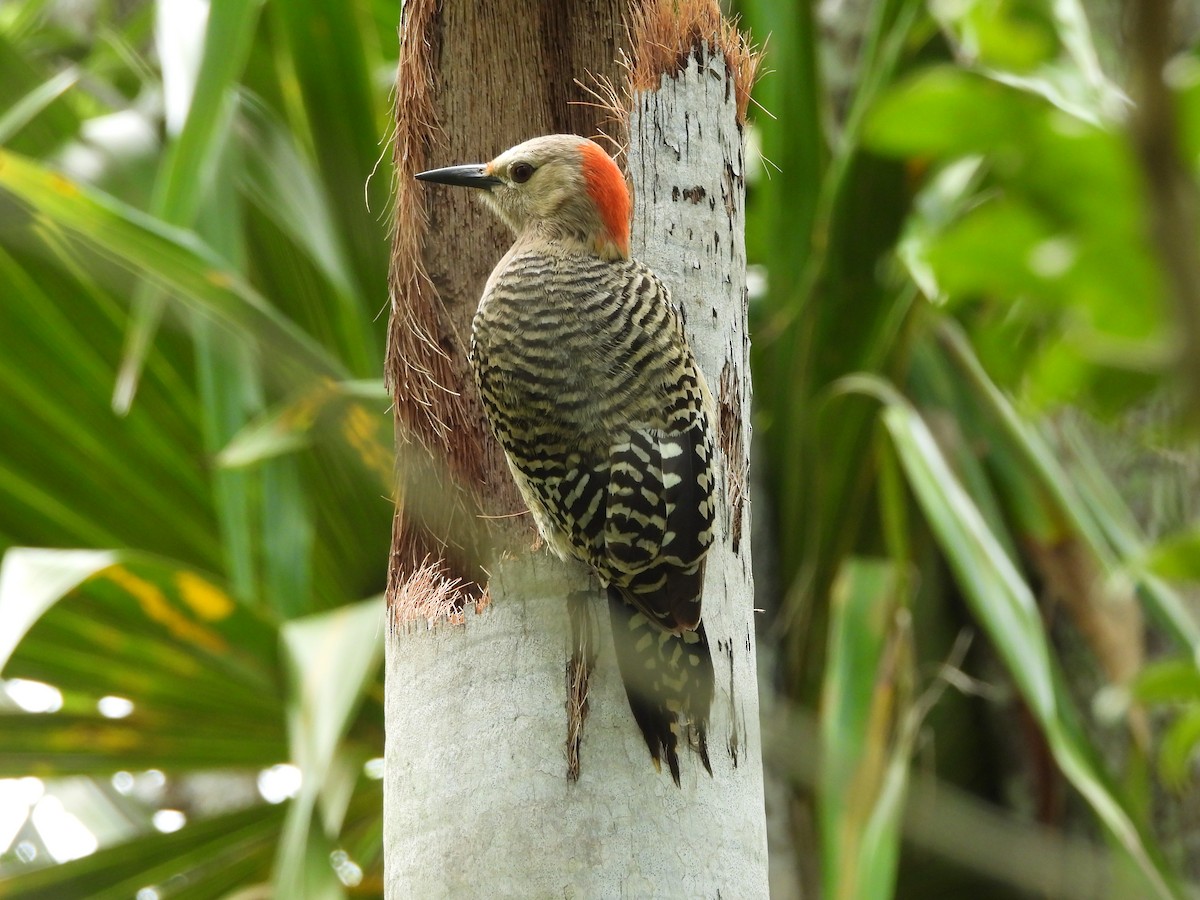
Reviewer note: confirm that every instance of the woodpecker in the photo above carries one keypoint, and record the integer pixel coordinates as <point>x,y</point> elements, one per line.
<point>593,392</point>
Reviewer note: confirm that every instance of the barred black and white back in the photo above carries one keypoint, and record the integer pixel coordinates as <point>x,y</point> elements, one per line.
<point>593,392</point>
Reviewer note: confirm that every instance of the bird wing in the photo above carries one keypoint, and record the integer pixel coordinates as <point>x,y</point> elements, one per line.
<point>659,520</point>
<point>597,400</point>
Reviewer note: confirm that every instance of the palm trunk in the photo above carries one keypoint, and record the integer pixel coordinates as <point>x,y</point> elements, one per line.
<point>514,767</point>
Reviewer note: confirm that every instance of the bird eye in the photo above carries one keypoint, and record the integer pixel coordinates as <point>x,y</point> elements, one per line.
<point>521,172</point>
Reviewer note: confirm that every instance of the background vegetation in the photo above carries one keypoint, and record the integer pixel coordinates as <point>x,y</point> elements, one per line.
<point>977,492</point>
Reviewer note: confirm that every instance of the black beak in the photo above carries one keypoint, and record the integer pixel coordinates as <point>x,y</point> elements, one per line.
<point>473,176</point>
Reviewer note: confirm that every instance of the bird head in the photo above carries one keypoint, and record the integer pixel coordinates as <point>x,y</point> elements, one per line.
<point>560,187</point>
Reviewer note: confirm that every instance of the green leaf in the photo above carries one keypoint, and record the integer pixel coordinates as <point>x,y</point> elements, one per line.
<point>32,581</point>
<point>1072,487</point>
<point>1042,47</point>
<point>27,108</point>
<point>1183,77</point>
<point>993,250</point>
<point>331,59</point>
<point>1011,35</point>
<point>1004,605</point>
<point>939,203</point>
<point>265,279</point>
<point>1177,556</point>
<point>332,658</point>
<point>208,858</point>
<point>281,430</point>
<point>1053,227</point>
<point>162,635</point>
<point>1178,750</point>
<point>191,160</point>
<point>173,259</point>
<point>866,731</point>
<point>24,85</point>
<point>60,744</point>
<point>283,184</point>
<point>1168,681</point>
<point>960,114</point>
<point>59,415</point>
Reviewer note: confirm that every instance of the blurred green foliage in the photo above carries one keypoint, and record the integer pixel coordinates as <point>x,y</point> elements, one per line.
<point>183,235</point>
<point>952,231</point>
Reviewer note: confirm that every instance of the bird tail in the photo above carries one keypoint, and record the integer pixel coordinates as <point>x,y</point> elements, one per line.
<point>668,678</point>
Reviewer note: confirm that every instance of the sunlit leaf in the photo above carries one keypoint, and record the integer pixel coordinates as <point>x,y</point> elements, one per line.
<point>325,407</point>
<point>208,859</point>
<point>31,581</point>
<point>173,639</point>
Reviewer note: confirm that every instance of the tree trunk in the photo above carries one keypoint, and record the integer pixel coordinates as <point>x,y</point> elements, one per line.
<point>482,724</point>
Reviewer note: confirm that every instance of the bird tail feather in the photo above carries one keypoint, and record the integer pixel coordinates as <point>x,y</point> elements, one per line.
<point>668,679</point>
